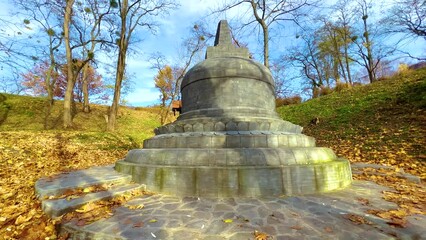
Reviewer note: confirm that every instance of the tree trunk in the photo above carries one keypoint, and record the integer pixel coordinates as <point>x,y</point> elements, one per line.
<point>121,64</point>
<point>86,106</point>
<point>265,45</point>
<point>70,78</point>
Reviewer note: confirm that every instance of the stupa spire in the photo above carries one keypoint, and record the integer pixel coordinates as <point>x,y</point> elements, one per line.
<point>223,46</point>
<point>223,34</point>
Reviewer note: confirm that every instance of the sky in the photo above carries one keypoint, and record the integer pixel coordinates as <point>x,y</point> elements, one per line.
<point>174,28</point>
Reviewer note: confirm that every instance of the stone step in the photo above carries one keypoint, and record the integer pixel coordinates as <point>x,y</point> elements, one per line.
<point>58,207</point>
<point>58,184</point>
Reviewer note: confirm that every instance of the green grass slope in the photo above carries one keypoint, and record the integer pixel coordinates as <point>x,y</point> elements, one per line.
<point>25,113</point>
<point>383,122</point>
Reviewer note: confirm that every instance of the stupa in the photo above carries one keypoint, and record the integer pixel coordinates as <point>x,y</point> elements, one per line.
<point>229,141</point>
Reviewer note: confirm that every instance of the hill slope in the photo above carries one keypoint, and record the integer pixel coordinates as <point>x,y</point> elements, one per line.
<point>383,122</point>
<point>25,113</point>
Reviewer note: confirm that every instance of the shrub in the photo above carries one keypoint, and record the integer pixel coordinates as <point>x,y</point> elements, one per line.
<point>342,86</point>
<point>288,101</point>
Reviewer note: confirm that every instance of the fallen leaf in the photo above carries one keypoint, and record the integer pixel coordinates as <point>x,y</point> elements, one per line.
<point>138,224</point>
<point>260,235</point>
<point>153,220</point>
<point>228,220</point>
<point>296,227</point>
<point>328,229</point>
<point>21,219</point>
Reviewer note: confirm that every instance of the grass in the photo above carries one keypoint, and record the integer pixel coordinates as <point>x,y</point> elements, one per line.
<point>382,122</point>
<point>25,113</point>
<point>343,107</point>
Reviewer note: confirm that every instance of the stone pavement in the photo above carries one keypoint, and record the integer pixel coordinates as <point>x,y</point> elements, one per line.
<point>335,215</point>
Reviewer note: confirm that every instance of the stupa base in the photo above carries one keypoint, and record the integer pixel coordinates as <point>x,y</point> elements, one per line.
<point>242,181</point>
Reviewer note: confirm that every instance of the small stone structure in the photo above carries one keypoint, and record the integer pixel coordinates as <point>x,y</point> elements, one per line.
<point>229,141</point>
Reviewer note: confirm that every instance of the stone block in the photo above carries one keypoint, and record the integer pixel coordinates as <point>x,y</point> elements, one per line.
<point>231,126</point>
<point>234,157</point>
<point>264,126</point>
<point>300,156</point>
<point>179,128</point>
<point>260,141</point>
<point>272,141</point>
<point>233,141</point>
<point>219,157</point>
<point>228,182</point>
<point>253,126</point>
<point>181,142</point>
<point>283,140</point>
<point>255,157</point>
<point>187,156</point>
<point>219,126</point>
<point>198,127</point>
<point>187,128</point>
<point>208,127</point>
<point>207,182</point>
<point>243,126</point>
<point>193,142</point>
<point>247,141</point>
<point>287,157</point>
<point>292,141</point>
<point>260,182</point>
<point>202,158</point>
<point>218,141</point>
<point>205,142</point>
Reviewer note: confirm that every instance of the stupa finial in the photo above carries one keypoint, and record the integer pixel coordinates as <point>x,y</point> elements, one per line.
<point>223,46</point>
<point>223,34</point>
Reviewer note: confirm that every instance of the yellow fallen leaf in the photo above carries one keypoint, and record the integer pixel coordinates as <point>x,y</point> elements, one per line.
<point>21,219</point>
<point>227,220</point>
<point>152,220</point>
<point>9,161</point>
<point>132,207</point>
<point>86,190</point>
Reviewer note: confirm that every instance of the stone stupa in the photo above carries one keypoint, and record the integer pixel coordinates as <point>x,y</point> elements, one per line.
<point>229,141</point>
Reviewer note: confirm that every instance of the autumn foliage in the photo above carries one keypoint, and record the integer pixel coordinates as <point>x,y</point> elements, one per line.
<point>34,80</point>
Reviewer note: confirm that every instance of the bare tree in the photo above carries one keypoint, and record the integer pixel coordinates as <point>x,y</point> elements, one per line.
<point>308,59</point>
<point>169,78</point>
<point>268,13</point>
<point>408,17</point>
<point>92,14</point>
<point>133,14</point>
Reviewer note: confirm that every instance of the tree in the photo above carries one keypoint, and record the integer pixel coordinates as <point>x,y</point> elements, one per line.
<point>91,14</point>
<point>71,73</point>
<point>169,78</point>
<point>164,81</point>
<point>408,17</point>
<point>44,14</point>
<point>35,81</point>
<point>131,15</point>
<point>307,57</point>
<point>268,13</point>
<point>333,45</point>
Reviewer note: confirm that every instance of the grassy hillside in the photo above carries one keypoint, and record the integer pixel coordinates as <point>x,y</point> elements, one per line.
<point>383,122</point>
<point>24,113</point>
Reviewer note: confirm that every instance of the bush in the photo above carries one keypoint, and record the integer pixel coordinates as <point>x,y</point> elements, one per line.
<point>342,86</point>
<point>288,101</point>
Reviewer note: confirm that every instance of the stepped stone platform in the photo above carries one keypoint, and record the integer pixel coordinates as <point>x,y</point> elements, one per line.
<point>158,216</point>
<point>229,141</point>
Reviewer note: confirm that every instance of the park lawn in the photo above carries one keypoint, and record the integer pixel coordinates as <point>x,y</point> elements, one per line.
<point>381,123</point>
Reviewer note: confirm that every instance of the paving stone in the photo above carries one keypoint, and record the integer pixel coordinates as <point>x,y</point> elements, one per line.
<point>303,217</point>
